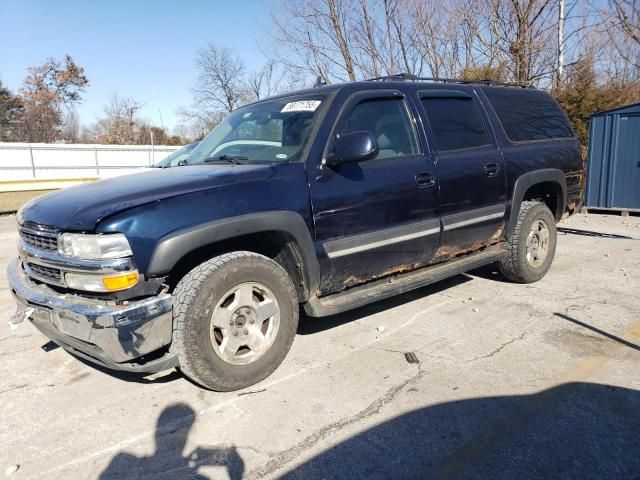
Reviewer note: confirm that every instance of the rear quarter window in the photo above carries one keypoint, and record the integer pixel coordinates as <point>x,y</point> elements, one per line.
<point>528,114</point>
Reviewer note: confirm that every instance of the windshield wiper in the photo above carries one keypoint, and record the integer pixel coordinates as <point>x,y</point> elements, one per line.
<point>236,160</point>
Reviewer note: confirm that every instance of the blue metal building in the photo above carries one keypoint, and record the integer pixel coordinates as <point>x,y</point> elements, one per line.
<point>613,169</point>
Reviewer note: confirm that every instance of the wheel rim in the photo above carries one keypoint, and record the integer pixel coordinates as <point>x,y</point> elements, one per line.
<point>244,323</point>
<point>537,243</point>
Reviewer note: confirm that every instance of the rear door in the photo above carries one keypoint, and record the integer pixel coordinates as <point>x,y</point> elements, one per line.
<point>375,217</point>
<point>626,168</point>
<point>470,170</point>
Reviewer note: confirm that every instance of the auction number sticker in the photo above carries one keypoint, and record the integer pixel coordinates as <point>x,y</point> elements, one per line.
<point>301,106</point>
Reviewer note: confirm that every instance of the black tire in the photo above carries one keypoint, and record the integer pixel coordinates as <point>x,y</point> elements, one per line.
<point>515,265</point>
<point>196,296</point>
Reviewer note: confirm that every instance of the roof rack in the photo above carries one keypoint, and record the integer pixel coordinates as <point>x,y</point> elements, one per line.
<point>411,77</point>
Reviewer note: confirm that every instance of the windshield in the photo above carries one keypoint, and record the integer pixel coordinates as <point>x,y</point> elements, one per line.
<point>270,131</point>
<point>176,157</point>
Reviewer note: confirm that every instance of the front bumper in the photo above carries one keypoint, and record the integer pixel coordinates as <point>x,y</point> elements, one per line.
<point>103,332</point>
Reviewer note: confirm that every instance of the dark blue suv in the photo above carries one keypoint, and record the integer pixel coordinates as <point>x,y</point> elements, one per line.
<point>329,198</point>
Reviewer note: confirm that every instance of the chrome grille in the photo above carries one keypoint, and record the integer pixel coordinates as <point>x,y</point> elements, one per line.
<point>41,272</point>
<point>42,240</point>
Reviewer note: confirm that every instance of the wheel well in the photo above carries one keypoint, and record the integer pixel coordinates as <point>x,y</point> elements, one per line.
<point>277,246</point>
<point>549,193</point>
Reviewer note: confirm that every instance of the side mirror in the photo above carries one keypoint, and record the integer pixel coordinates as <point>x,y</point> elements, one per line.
<point>353,147</point>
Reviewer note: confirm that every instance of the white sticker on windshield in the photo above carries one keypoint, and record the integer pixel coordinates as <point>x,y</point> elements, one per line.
<point>301,106</point>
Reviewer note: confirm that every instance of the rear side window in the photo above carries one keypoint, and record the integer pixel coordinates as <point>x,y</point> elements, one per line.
<point>528,114</point>
<point>455,123</point>
<point>388,120</point>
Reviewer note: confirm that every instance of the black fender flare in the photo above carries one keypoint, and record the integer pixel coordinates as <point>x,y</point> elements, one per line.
<point>170,249</point>
<point>526,181</point>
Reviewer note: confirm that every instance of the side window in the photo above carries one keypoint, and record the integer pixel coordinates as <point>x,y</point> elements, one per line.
<point>388,121</point>
<point>528,114</point>
<point>455,123</point>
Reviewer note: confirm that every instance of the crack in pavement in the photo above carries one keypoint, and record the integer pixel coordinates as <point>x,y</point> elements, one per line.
<point>14,337</point>
<point>124,443</point>
<point>13,387</point>
<point>497,350</point>
<point>419,350</point>
<point>13,352</point>
<point>455,360</point>
<point>287,456</point>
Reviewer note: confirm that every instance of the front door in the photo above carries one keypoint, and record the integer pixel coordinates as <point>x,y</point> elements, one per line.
<point>375,217</point>
<point>470,171</point>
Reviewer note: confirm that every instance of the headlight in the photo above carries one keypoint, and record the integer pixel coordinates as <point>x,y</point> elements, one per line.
<point>101,283</point>
<point>94,247</point>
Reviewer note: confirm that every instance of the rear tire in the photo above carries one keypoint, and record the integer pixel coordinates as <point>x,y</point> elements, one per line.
<point>532,246</point>
<point>235,318</point>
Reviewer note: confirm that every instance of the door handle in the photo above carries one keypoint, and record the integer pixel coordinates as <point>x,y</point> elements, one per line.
<point>492,169</point>
<point>425,179</point>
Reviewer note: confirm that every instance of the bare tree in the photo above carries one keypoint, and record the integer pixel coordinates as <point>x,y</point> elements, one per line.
<point>435,34</point>
<point>622,21</point>
<point>119,124</point>
<point>70,129</point>
<point>270,80</point>
<point>220,82</point>
<point>349,39</point>
<point>520,36</point>
<point>366,39</point>
<point>337,17</point>
<point>314,36</point>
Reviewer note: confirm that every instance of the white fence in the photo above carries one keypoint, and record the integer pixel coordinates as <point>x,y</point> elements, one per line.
<point>26,161</point>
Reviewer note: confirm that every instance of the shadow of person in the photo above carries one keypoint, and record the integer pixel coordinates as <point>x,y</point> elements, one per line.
<point>169,461</point>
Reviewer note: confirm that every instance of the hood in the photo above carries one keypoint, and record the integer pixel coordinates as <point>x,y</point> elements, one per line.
<point>82,207</point>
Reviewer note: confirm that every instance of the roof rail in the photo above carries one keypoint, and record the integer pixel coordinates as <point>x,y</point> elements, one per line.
<point>411,77</point>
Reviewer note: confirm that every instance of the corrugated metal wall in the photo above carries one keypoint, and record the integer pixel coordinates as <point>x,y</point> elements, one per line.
<point>613,169</point>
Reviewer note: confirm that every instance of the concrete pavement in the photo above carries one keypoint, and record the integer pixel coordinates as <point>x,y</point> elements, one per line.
<point>513,381</point>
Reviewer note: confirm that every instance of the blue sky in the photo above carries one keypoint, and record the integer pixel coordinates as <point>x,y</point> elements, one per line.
<point>129,47</point>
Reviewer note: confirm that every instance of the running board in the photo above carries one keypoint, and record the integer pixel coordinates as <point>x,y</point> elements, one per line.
<point>399,283</point>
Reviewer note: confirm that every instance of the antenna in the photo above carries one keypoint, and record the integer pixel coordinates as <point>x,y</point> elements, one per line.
<point>155,93</point>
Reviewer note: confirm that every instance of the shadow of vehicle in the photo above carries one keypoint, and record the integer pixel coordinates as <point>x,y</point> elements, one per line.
<point>589,233</point>
<point>489,272</point>
<point>307,326</point>
<point>572,431</point>
<point>168,461</point>
<point>310,325</point>
<point>132,377</point>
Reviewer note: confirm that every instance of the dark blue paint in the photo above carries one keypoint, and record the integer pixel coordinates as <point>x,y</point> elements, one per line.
<point>249,189</point>
<point>464,185</point>
<point>346,200</point>
<point>81,207</point>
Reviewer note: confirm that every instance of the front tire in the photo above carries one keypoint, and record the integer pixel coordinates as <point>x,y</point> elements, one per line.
<point>235,318</point>
<point>532,245</point>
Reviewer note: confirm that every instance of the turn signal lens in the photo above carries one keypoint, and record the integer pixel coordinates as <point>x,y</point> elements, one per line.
<point>101,283</point>
<point>121,282</point>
